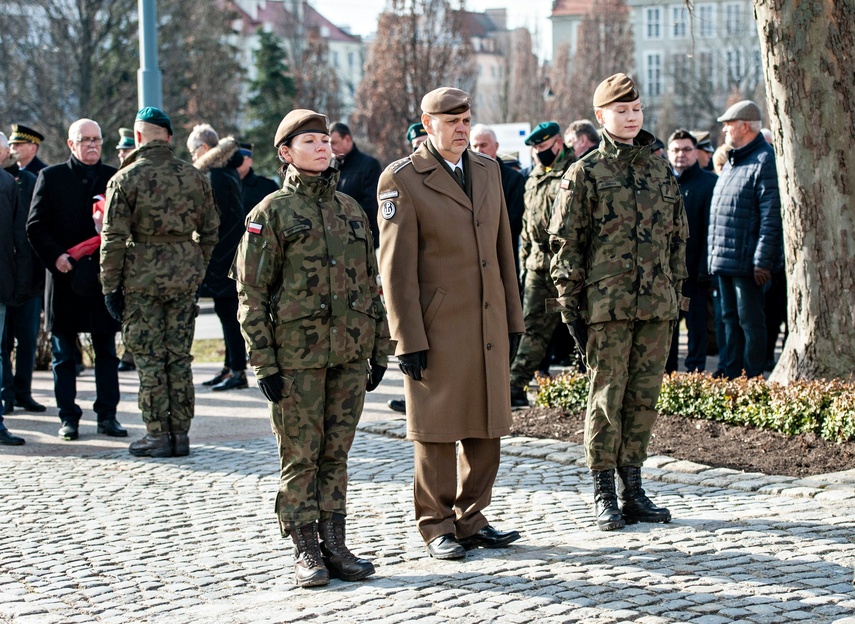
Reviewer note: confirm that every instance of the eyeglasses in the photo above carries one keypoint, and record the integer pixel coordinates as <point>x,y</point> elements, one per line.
<point>89,140</point>
<point>677,150</point>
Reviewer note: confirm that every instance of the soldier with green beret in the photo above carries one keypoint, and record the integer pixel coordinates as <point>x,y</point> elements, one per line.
<point>541,189</point>
<point>311,314</point>
<point>416,135</point>
<point>618,234</point>
<point>126,143</point>
<point>160,228</point>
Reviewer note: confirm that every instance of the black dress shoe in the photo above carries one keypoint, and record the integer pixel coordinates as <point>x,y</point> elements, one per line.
<point>234,381</point>
<point>7,439</point>
<point>124,367</point>
<point>488,537</point>
<point>8,407</point>
<point>446,547</point>
<point>29,405</point>
<point>218,377</point>
<point>112,428</point>
<point>398,405</point>
<point>68,431</point>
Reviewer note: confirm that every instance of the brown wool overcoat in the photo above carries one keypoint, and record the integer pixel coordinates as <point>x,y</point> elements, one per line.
<point>448,276</point>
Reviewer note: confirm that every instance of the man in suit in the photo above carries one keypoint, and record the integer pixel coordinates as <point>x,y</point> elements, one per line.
<point>454,308</point>
<point>60,218</point>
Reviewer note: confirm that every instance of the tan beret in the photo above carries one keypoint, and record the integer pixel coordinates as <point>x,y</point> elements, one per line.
<point>445,100</point>
<point>617,88</point>
<point>300,121</point>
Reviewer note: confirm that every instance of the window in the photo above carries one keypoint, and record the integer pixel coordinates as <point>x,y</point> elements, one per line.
<point>681,65</point>
<point>653,21</point>
<point>350,60</point>
<point>706,20</point>
<point>679,22</point>
<point>758,68</point>
<point>733,19</point>
<point>335,59</point>
<point>735,69</point>
<point>653,71</point>
<point>706,69</point>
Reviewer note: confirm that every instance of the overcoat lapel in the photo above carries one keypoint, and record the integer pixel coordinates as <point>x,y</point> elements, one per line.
<point>438,178</point>
<point>480,182</point>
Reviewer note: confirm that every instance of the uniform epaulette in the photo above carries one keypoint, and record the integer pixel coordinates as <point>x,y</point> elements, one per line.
<point>400,164</point>
<point>480,154</point>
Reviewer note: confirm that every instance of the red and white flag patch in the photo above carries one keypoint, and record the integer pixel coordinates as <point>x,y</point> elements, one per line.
<point>254,228</point>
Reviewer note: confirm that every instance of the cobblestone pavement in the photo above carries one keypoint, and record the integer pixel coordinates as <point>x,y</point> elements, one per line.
<point>107,537</point>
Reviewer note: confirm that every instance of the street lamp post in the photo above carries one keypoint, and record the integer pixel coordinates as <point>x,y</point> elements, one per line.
<point>149,91</point>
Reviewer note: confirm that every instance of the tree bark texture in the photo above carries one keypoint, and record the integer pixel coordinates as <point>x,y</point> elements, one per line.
<point>807,48</point>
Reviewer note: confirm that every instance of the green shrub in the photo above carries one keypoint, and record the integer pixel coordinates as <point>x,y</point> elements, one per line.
<point>821,407</point>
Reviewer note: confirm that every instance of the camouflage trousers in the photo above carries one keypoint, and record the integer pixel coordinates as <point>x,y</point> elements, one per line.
<point>314,425</point>
<point>539,326</point>
<point>159,332</point>
<point>626,363</point>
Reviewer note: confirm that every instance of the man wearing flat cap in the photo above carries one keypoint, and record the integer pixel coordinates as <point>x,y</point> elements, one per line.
<point>541,189</point>
<point>618,233</point>
<point>453,302</point>
<point>745,239</point>
<point>253,187</point>
<point>24,143</point>
<point>160,228</point>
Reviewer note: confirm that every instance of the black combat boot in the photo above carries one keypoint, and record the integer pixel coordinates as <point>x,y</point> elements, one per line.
<point>606,507</point>
<point>519,398</point>
<point>152,445</point>
<point>180,444</point>
<point>309,569</point>
<point>635,505</point>
<point>341,563</point>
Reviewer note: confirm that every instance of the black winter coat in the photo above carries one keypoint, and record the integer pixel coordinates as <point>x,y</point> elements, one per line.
<point>513,188</point>
<point>255,188</point>
<point>61,217</point>
<point>696,186</point>
<point>29,271</point>
<point>9,213</point>
<point>358,177</point>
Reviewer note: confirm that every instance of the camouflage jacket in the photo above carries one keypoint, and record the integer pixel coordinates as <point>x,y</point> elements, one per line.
<point>619,233</point>
<point>306,274</point>
<point>160,224</point>
<point>541,189</point>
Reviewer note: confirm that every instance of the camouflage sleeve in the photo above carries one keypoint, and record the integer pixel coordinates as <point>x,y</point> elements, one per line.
<point>382,343</point>
<point>525,237</point>
<point>569,238</point>
<point>678,249</point>
<point>209,225</point>
<point>114,235</point>
<point>256,269</point>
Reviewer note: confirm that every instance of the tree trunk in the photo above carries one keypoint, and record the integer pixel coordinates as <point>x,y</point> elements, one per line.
<point>807,50</point>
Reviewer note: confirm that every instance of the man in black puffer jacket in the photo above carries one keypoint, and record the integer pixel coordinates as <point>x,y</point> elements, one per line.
<point>745,240</point>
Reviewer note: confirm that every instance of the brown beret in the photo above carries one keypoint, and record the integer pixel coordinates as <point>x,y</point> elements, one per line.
<point>300,121</point>
<point>617,88</point>
<point>445,100</point>
<point>746,110</point>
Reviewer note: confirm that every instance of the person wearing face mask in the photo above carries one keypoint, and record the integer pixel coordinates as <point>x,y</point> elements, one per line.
<point>541,189</point>
<point>311,314</point>
<point>618,234</point>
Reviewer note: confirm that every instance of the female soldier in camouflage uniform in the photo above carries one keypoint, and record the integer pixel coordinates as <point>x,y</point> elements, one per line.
<point>618,232</point>
<point>311,313</point>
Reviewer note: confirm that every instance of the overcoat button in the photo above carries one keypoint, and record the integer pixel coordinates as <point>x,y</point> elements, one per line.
<point>489,346</point>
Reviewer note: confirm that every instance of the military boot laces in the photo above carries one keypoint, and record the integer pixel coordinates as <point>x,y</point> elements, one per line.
<point>341,563</point>
<point>606,507</point>
<point>635,505</point>
<point>309,568</point>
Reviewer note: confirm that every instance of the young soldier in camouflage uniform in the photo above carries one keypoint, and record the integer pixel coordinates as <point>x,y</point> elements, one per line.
<point>619,237</point>
<point>160,227</point>
<point>541,189</point>
<point>311,313</point>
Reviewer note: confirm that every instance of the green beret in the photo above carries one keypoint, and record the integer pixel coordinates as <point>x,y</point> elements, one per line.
<point>544,131</point>
<point>616,88</point>
<point>445,100</point>
<point>156,117</point>
<point>126,139</point>
<point>300,121</point>
<point>415,131</point>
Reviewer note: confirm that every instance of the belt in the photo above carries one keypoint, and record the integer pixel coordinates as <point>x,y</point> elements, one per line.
<point>162,238</point>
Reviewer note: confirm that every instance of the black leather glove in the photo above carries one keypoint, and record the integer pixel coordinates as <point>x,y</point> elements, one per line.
<point>375,375</point>
<point>271,387</point>
<point>412,364</point>
<point>115,302</point>
<point>514,341</point>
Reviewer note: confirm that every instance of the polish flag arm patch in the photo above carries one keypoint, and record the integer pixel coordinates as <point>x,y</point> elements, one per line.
<point>254,228</point>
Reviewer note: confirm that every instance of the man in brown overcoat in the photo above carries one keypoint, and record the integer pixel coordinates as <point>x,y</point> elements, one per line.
<point>454,309</point>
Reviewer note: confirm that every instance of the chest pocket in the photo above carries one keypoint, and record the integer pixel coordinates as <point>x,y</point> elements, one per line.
<point>358,229</point>
<point>668,194</point>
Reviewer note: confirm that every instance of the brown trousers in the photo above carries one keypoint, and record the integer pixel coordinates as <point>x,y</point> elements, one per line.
<point>453,484</point>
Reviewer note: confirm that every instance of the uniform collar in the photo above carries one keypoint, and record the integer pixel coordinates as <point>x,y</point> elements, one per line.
<point>321,187</point>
